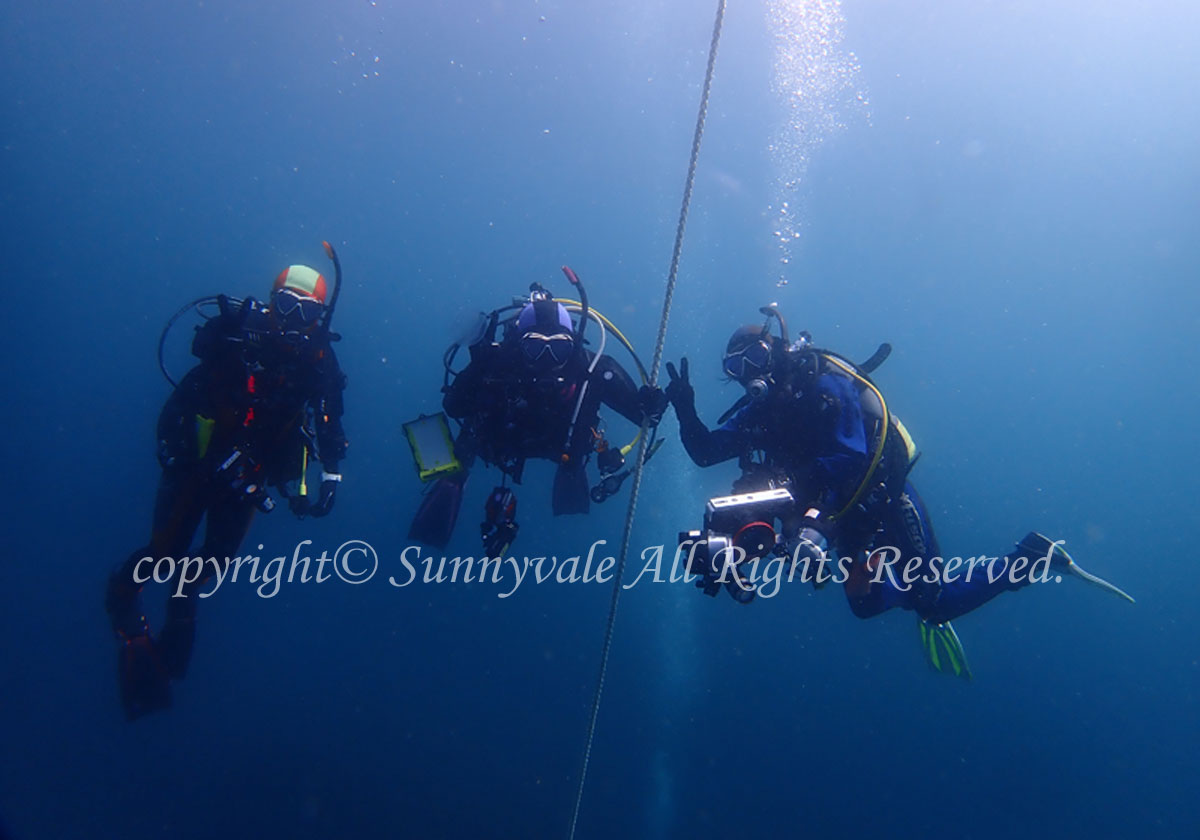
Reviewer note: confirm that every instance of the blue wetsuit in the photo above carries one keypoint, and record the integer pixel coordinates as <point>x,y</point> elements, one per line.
<point>817,431</point>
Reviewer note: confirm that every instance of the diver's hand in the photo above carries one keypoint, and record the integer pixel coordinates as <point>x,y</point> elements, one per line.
<point>328,492</point>
<point>808,549</point>
<point>808,544</point>
<point>679,390</point>
<point>653,402</point>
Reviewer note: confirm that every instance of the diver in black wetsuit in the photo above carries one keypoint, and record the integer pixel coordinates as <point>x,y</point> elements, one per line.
<point>534,391</point>
<point>267,391</point>
<point>812,423</point>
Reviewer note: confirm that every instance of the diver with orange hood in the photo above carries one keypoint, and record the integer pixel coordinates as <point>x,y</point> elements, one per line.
<point>265,398</point>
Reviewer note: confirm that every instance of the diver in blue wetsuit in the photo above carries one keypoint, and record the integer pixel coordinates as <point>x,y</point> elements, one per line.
<point>821,452</point>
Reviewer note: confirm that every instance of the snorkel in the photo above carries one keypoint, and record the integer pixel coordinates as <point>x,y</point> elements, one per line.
<point>337,281</point>
<point>584,313</point>
<point>583,301</point>
<point>771,310</point>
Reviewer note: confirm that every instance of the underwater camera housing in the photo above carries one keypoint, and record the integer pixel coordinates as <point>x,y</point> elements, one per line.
<point>737,530</point>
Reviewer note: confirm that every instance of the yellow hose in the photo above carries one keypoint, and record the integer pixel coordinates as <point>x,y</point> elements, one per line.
<point>882,434</point>
<point>611,327</point>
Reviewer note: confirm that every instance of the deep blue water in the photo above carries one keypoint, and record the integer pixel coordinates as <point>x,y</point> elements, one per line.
<point>1016,210</point>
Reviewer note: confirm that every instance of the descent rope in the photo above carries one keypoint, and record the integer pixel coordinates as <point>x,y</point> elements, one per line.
<point>672,276</point>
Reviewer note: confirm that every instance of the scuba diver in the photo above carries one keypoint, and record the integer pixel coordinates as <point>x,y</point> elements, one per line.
<point>266,393</point>
<point>821,452</point>
<point>530,390</point>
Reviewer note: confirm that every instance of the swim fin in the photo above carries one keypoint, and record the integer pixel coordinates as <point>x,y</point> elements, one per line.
<point>434,522</point>
<point>571,494</point>
<point>1038,546</point>
<point>944,649</point>
<point>145,686</point>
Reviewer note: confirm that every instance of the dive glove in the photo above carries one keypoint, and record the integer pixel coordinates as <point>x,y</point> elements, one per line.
<point>679,390</point>
<point>328,492</point>
<point>653,402</point>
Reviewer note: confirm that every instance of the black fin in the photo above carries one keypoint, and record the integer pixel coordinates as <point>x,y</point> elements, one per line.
<point>571,493</point>
<point>434,522</point>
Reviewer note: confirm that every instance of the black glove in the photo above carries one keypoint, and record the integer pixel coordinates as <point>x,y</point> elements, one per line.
<point>299,505</point>
<point>242,475</point>
<point>326,495</point>
<point>679,389</point>
<point>653,402</point>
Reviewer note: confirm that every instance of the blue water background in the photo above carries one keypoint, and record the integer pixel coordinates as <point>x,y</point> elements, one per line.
<point>1017,214</point>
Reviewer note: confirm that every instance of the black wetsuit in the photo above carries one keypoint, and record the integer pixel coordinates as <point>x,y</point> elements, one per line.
<point>254,393</point>
<point>509,415</point>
